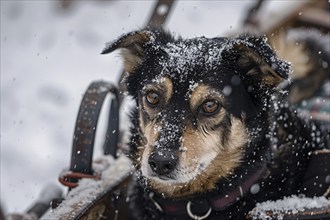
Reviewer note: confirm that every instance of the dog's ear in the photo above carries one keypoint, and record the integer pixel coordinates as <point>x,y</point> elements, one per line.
<point>258,63</point>
<point>134,45</point>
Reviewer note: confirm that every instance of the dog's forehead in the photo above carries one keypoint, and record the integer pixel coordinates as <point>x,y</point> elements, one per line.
<point>184,57</point>
<point>186,62</point>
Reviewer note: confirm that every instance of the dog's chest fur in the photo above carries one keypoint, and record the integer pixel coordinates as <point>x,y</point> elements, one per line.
<point>205,123</point>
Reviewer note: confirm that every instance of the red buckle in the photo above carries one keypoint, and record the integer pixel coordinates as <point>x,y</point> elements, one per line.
<point>66,178</point>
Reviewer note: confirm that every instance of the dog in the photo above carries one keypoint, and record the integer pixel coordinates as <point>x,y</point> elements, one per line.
<point>212,133</point>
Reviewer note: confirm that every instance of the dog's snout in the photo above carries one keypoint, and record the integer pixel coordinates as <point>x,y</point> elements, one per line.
<point>163,162</point>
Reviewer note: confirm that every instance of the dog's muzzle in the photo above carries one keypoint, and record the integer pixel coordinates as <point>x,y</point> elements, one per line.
<point>163,161</point>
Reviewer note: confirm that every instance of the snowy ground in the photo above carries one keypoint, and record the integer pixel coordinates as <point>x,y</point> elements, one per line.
<point>48,57</point>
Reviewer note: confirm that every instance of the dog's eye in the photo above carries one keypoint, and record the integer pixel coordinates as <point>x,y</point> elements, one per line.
<point>210,107</point>
<point>152,98</point>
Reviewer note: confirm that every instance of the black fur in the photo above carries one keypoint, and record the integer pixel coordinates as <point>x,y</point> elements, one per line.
<point>252,71</point>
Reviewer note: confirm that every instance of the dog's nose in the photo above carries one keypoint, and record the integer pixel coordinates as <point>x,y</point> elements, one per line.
<point>163,162</point>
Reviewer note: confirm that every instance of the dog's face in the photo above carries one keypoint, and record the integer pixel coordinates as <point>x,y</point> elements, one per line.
<point>195,103</point>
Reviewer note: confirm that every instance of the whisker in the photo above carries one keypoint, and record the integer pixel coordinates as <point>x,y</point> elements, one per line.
<point>204,131</point>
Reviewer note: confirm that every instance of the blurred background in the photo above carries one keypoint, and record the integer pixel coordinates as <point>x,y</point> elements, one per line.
<point>50,52</point>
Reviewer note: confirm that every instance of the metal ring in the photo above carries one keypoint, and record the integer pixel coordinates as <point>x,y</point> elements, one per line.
<point>151,195</point>
<point>196,217</point>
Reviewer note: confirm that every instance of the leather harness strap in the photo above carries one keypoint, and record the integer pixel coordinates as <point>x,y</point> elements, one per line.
<point>221,202</point>
<point>214,200</point>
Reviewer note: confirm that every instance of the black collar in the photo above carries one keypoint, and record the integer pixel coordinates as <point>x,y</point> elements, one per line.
<point>227,194</point>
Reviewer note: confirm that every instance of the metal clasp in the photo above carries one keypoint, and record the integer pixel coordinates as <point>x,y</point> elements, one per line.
<point>196,217</point>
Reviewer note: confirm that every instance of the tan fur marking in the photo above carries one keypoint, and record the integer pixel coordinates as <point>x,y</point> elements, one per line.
<point>226,159</point>
<point>131,61</point>
<point>202,93</point>
<point>164,87</point>
<point>133,51</point>
<point>150,137</point>
<point>268,75</point>
<point>167,85</point>
<point>272,78</point>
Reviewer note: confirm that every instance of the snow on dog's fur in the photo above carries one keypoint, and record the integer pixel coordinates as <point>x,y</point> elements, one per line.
<point>207,115</point>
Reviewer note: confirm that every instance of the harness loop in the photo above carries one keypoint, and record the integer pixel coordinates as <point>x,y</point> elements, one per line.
<point>196,217</point>
<point>151,195</point>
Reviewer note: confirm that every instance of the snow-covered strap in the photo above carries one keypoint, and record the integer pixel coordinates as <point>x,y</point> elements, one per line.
<point>317,176</point>
<point>86,124</point>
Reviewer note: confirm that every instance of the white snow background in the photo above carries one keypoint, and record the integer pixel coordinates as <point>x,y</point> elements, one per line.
<point>49,55</point>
